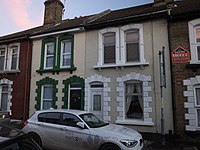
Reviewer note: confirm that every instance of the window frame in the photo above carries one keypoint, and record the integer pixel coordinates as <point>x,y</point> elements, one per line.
<point>101,47</point>
<point>196,106</point>
<point>39,94</point>
<point>8,58</point>
<point>11,57</point>
<point>42,96</point>
<point>43,54</point>
<point>5,55</point>
<point>65,54</point>
<point>46,56</point>
<point>133,94</point>
<point>121,47</point>
<point>123,30</point>
<point>192,25</point>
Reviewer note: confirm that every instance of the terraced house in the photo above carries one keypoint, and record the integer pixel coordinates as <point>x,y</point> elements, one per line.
<point>108,63</point>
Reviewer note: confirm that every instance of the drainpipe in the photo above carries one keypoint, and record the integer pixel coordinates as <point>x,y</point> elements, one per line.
<point>172,76</point>
<point>27,81</point>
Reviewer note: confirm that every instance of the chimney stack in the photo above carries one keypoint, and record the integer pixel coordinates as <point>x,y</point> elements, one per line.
<point>53,12</point>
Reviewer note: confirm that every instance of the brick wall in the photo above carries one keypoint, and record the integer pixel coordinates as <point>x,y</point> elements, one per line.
<point>179,36</point>
<point>53,12</point>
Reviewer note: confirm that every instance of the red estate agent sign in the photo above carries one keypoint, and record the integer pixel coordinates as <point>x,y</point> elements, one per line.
<point>180,55</point>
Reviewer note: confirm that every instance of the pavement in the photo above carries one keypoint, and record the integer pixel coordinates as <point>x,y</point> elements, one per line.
<point>148,145</point>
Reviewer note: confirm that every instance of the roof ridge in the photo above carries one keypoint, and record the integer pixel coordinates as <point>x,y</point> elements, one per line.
<point>97,16</point>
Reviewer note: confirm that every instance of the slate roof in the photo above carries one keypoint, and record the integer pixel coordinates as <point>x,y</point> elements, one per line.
<point>108,18</point>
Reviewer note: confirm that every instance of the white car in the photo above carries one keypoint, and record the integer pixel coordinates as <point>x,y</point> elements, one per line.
<point>79,130</point>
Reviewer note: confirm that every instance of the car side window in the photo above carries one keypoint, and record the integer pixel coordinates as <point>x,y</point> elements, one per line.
<point>70,120</point>
<point>42,117</point>
<point>51,117</point>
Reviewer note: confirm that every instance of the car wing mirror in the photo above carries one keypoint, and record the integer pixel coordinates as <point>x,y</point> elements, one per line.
<point>81,125</point>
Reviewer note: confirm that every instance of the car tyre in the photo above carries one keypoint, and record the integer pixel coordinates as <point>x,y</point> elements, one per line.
<point>36,138</point>
<point>110,146</point>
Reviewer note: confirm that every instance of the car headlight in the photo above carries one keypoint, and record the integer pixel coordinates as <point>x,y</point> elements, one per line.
<point>129,143</point>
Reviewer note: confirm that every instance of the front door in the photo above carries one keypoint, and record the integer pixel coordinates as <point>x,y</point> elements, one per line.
<point>75,99</point>
<point>97,102</point>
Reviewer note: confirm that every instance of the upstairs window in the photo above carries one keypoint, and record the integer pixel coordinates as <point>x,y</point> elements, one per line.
<point>132,45</point>
<point>122,46</point>
<point>109,48</point>
<point>2,58</point>
<point>194,36</point>
<point>49,55</point>
<point>57,54</point>
<point>66,53</point>
<point>9,57</point>
<point>14,58</point>
<point>197,39</point>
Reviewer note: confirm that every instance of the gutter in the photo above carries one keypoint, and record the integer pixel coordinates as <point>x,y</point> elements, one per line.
<point>12,39</point>
<point>58,32</point>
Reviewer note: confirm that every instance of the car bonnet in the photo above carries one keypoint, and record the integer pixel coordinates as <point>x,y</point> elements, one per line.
<point>118,131</point>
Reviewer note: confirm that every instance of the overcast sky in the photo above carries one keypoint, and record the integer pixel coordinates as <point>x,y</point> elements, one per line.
<point>19,15</point>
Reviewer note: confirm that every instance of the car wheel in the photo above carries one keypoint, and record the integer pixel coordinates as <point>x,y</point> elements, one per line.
<point>110,146</point>
<point>36,138</point>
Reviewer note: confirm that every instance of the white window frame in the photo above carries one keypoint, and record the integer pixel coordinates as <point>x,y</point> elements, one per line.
<point>196,107</point>
<point>11,58</point>
<point>101,47</point>
<point>4,47</point>
<point>123,43</point>
<point>10,89</point>
<point>120,47</point>
<point>45,55</point>
<point>193,44</point>
<point>8,57</point>
<point>133,94</point>
<point>62,54</point>
<point>42,95</point>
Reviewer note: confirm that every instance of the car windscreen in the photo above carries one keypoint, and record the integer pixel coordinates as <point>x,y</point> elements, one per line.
<point>93,121</point>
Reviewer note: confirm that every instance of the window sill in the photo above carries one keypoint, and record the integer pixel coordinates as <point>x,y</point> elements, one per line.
<point>134,122</point>
<point>10,72</point>
<point>121,65</point>
<point>53,71</point>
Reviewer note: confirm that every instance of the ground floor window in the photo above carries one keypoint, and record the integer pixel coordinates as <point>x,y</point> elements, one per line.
<point>197,104</point>
<point>4,97</point>
<point>46,94</point>
<point>47,97</point>
<point>133,100</point>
